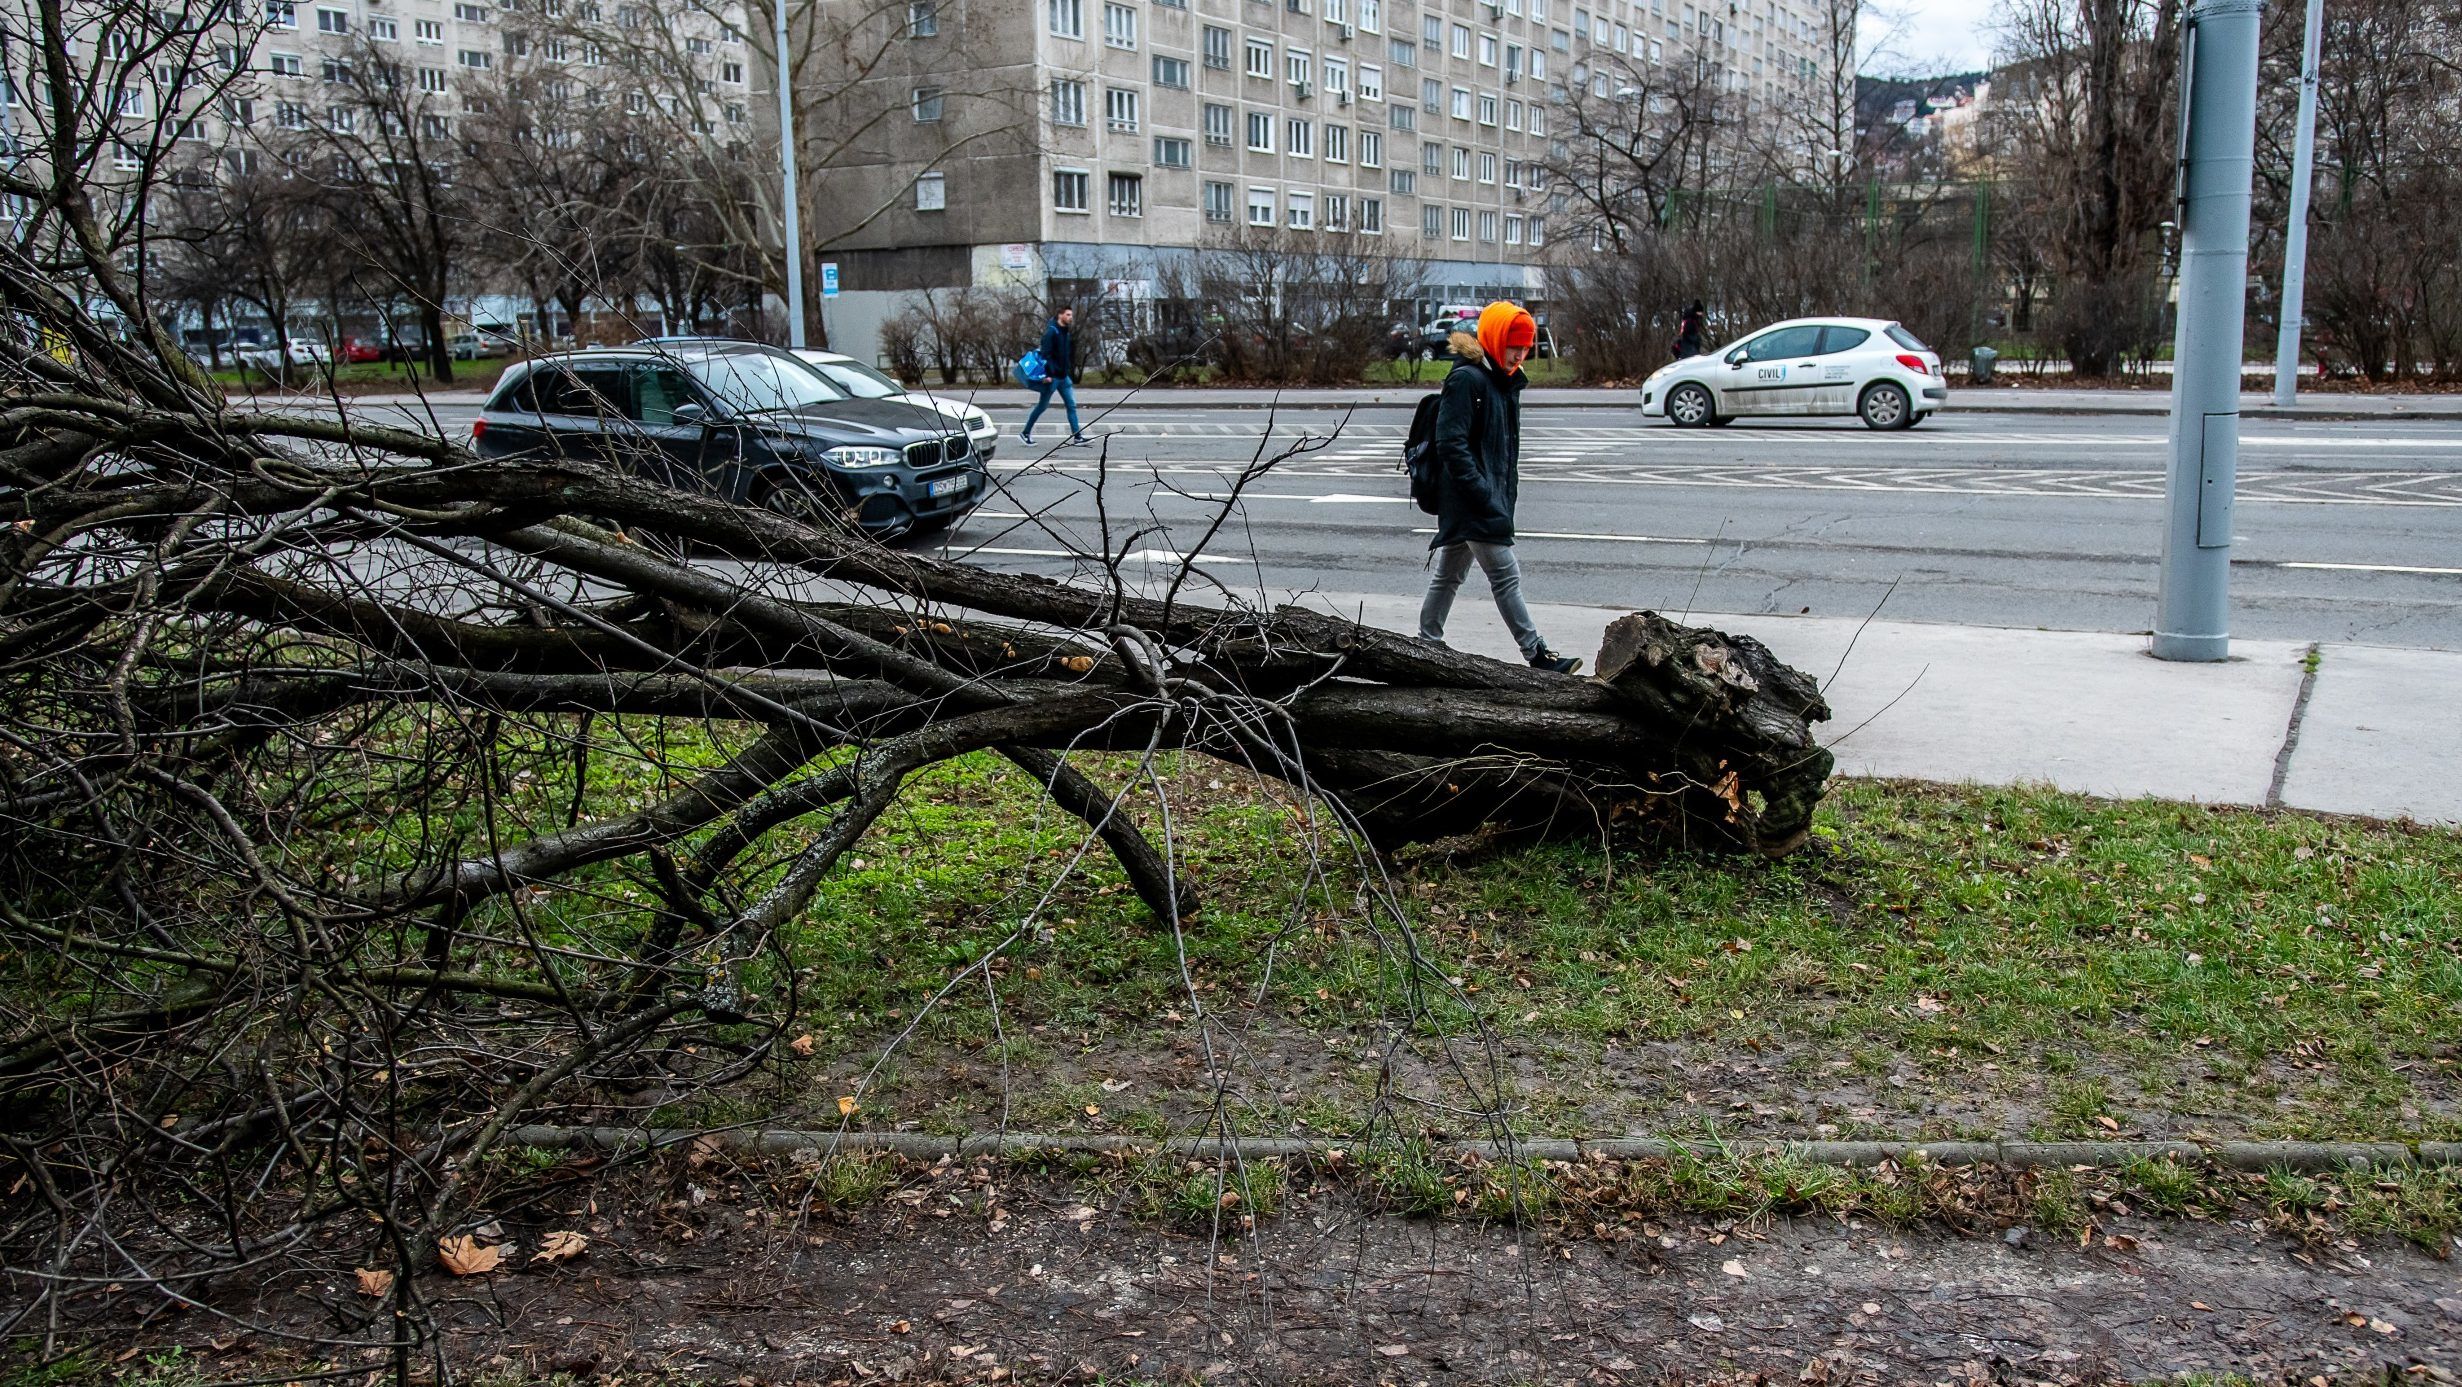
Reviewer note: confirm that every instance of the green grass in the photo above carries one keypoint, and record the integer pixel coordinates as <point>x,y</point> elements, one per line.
<point>371,376</point>
<point>1939,963</point>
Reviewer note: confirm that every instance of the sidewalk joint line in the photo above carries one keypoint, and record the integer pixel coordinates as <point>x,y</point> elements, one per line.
<point>2309,664</point>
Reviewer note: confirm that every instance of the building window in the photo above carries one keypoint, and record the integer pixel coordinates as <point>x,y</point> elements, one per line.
<point>1513,115</point>
<point>284,65</point>
<point>1125,194</point>
<point>1432,222</point>
<point>1068,101</point>
<point>1432,95</point>
<point>1513,229</point>
<point>1536,231</point>
<point>1402,53</point>
<point>1337,212</point>
<point>474,14</point>
<point>384,31</point>
<point>1217,124</point>
<point>1300,215</point>
<point>922,18</point>
<point>926,103</point>
<point>1120,109</point>
<point>731,72</point>
<point>336,71</point>
<point>1260,207</point>
<point>432,79</point>
<point>333,21</point>
<point>1337,143</point>
<point>1461,41</point>
<point>1119,26</point>
<point>1218,202</point>
<point>290,115</point>
<point>1068,190</point>
<point>1461,103</point>
<point>475,58</point>
<point>1487,50</point>
<point>1259,58</point>
<point>1301,140</point>
<point>1371,82</point>
<point>931,192</point>
<point>1068,19</point>
<point>1171,72</point>
<point>1487,109</point>
<point>1371,149</point>
<point>1487,167</point>
<point>1371,16</point>
<point>281,14</point>
<point>1298,67</point>
<point>1403,181</point>
<point>1461,223</point>
<point>1432,158</point>
<point>1432,30</point>
<point>1217,47</point>
<point>1538,120</point>
<point>1260,132</point>
<point>428,30</point>
<point>1402,117</point>
<point>1173,153</point>
<point>1372,216</point>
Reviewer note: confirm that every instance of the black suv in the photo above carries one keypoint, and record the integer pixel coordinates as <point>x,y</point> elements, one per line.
<point>744,421</point>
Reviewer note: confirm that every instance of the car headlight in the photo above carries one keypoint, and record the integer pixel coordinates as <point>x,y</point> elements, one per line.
<point>977,420</point>
<point>863,457</point>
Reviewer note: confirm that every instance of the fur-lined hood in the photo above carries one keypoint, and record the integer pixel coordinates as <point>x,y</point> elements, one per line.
<point>1465,346</point>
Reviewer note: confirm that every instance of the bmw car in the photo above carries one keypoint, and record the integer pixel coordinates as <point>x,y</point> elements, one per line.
<point>863,383</point>
<point>747,422</point>
<point>1868,368</point>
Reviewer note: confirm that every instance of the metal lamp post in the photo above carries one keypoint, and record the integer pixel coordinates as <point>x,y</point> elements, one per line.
<point>2295,235</point>
<point>2218,146</point>
<point>792,220</point>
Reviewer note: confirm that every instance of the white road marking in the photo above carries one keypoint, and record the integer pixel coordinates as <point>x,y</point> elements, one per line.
<point>1617,539</point>
<point>2377,568</point>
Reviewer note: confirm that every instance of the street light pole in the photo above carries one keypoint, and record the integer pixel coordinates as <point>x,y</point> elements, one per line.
<point>793,225</point>
<point>2218,157</point>
<point>2295,236</point>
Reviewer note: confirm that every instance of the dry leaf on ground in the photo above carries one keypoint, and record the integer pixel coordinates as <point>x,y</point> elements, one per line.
<point>463,1256</point>
<point>374,1282</point>
<point>562,1245</point>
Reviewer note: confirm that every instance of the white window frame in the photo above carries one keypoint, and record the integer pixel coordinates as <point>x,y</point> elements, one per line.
<point>1257,59</point>
<point>1371,82</point>
<point>1299,137</point>
<point>1085,191</point>
<point>931,191</point>
<point>1135,204</point>
<point>1260,122</point>
<point>1121,110</point>
<point>1371,149</point>
<point>1066,18</point>
<point>927,104</point>
<point>1299,211</point>
<point>1119,26</point>
<point>1261,200</point>
<point>1068,102</point>
<point>1336,143</point>
<point>1461,223</point>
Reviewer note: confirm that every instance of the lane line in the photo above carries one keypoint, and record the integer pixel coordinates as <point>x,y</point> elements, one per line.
<point>2376,568</point>
<point>1616,539</point>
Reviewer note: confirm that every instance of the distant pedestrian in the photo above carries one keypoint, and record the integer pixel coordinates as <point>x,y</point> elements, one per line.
<point>1692,331</point>
<point>1060,372</point>
<point>1478,456</point>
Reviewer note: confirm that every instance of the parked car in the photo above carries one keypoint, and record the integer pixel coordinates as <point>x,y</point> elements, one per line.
<point>744,421</point>
<point>294,351</point>
<point>861,382</point>
<point>1868,367</point>
<point>481,343</point>
<point>360,350</point>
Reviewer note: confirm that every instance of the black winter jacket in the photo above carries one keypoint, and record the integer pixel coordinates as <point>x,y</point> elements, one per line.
<point>1057,350</point>
<point>1478,450</point>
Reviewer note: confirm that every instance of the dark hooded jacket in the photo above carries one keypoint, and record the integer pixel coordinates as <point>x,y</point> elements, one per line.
<point>1478,448</point>
<point>1058,352</point>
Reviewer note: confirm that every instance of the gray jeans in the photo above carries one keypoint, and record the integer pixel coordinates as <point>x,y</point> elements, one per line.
<point>1504,578</point>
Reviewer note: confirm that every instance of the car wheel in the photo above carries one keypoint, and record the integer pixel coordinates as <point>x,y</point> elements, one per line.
<point>1690,406</point>
<point>1886,406</point>
<point>1427,353</point>
<point>795,496</point>
<point>1720,421</point>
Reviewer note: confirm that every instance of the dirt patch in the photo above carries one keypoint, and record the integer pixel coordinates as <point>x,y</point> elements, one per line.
<point>715,1277</point>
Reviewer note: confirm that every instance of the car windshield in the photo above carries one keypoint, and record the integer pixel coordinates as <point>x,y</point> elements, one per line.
<point>758,383</point>
<point>858,381</point>
<point>1906,339</point>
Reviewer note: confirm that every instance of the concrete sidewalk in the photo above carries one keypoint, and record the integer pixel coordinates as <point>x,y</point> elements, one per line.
<point>1962,400</point>
<point>2370,730</point>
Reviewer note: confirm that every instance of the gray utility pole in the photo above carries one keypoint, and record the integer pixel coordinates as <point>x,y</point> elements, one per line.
<point>2218,157</point>
<point>2295,236</point>
<point>786,159</point>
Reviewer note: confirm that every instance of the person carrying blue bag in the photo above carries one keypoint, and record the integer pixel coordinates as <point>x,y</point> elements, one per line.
<point>1049,367</point>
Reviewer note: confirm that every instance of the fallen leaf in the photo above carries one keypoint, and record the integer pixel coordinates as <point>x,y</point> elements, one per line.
<point>2383,1327</point>
<point>463,1256</point>
<point>374,1282</point>
<point>900,1327</point>
<point>1706,1321</point>
<point>846,1105</point>
<point>1392,1350</point>
<point>802,1045</point>
<point>561,1246</point>
<point>1077,664</point>
<point>1093,1110</point>
<point>1115,1085</point>
<point>1930,1005</point>
<point>2303,853</point>
<point>2107,1124</point>
<point>1733,1266</point>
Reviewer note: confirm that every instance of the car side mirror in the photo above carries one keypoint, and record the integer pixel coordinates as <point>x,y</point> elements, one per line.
<point>691,414</point>
<point>1736,357</point>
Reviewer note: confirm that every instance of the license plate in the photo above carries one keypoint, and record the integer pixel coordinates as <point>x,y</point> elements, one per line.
<point>948,486</point>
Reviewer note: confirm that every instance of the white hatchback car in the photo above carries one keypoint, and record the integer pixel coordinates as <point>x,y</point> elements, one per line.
<point>1868,367</point>
<point>865,383</point>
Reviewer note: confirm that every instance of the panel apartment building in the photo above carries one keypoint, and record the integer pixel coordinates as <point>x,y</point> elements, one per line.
<point>1158,127</point>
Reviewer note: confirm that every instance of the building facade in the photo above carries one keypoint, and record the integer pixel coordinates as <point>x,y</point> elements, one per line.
<point>1162,127</point>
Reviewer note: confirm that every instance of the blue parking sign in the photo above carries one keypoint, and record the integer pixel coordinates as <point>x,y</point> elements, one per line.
<point>829,279</point>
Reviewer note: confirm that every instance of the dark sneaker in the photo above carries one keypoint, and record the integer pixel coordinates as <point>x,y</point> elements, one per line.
<point>1025,440</point>
<point>1077,440</point>
<point>1549,660</point>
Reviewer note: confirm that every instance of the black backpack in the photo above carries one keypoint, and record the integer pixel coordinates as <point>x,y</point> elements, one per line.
<point>1419,455</point>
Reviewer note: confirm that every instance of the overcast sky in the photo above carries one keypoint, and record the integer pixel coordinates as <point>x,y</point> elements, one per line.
<point>1922,37</point>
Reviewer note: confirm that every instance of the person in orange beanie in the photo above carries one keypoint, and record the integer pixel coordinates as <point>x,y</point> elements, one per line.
<point>1478,461</point>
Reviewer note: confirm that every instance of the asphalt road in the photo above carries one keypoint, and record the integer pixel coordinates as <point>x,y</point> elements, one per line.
<point>2347,531</point>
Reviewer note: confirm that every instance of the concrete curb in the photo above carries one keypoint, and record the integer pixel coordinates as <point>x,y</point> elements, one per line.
<point>2241,1156</point>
